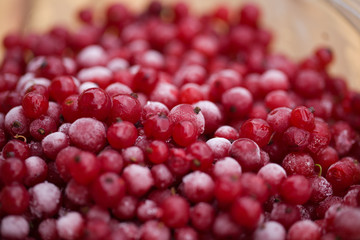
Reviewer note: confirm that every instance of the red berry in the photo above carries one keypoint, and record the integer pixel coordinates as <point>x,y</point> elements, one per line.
<point>84,167</point>
<point>227,132</point>
<point>158,127</point>
<point>94,102</point>
<point>157,152</point>
<point>175,212</point>
<point>227,188</point>
<point>111,161</point>
<point>198,186</point>
<point>70,108</point>
<point>14,199</point>
<point>121,135</point>
<point>257,130</point>
<point>247,153</point>
<point>246,212</point>
<point>184,133</point>
<point>40,206</point>
<point>309,83</point>
<point>177,162</point>
<point>73,230</point>
<point>145,80</point>
<point>61,87</point>
<point>138,179</point>
<point>186,112</point>
<point>41,127</point>
<point>34,104</point>
<point>53,143</point>
<point>254,186</point>
<point>12,170</point>
<point>16,148</point>
<point>303,118</point>
<point>296,189</point>
<point>200,155</point>
<point>286,214</point>
<point>88,134</point>
<point>125,107</point>
<point>237,102</point>
<point>163,178</point>
<point>108,189</point>
<point>36,171</point>
<point>306,229</point>
<point>299,163</point>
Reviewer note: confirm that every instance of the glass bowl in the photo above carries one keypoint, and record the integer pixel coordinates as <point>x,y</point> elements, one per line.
<point>299,26</point>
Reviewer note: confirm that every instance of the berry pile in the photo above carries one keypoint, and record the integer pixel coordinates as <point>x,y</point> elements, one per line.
<point>165,125</point>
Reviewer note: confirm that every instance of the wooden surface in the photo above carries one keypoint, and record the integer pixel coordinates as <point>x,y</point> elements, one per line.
<point>300,25</point>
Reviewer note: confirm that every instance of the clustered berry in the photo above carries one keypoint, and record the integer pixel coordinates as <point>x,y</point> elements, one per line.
<point>163,125</point>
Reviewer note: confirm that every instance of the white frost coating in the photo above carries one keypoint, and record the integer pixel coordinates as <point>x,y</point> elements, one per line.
<point>76,81</point>
<point>87,85</point>
<point>198,185</point>
<point>241,91</point>
<point>23,80</point>
<point>272,173</point>
<point>153,57</point>
<point>77,193</point>
<point>138,178</point>
<point>189,72</point>
<point>54,141</point>
<point>134,69</point>
<point>153,106</point>
<point>275,76</point>
<point>45,199</point>
<point>162,91</point>
<point>88,74</point>
<point>16,114</point>
<point>129,153</point>
<point>270,230</point>
<point>117,64</point>
<point>227,166</point>
<point>209,107</point>
<point>229,73</point>
<point>88,133</point>
<point>35,63</point>
<point>219,146</point>
<point>47,228</point>
<point>70,65</point>
<point>223,225</point>
<point>34,165</point>
<point>92,55</point>
<point>64,128</point>
<point>69,226</point>
<point>38,81</point>
<point>14,227</point>
<point>226,129</point>
<point>55,138</point>
<point>117,88</point>
<point>212,114</point>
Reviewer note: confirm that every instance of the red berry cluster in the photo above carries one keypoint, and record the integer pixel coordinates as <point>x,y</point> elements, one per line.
<point>165,125</point>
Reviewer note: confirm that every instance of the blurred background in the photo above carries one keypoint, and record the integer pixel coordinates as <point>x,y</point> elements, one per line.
<point>299,25</point>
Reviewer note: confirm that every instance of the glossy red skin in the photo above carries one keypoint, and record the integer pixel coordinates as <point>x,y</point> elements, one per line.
<point>84,167</point>
<point>125,108</point>
<point>94,102</point>
<point>34,104</point>
<point>108,189</point>
<point>122,135</point>
<point>61,87</point>
<point>257,130</point>
<point>16,148</point>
